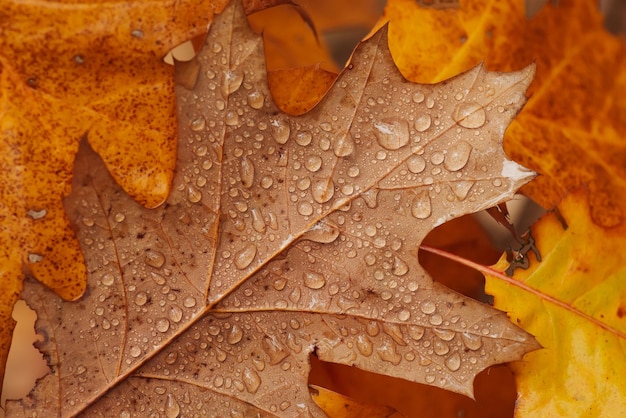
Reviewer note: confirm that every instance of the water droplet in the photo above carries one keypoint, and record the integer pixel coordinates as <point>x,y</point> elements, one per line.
<point>322,232</point>
<point>314,280</point>
<point>323,190</point>
<point>472,341</point>
<point>430,102</point>
<point>343,146</point>
<point>106,324</point>
<point>400,268</point>
<point>251,379</point>
<point>235,335</point>
<point>387,352</point>
<point>141,298</point>
<point>325,126</point>
<point>216,48</point>
<point>37,214</point>
<point>171,357</point>
<point>172,409</point>
<point>422,122</point>
<point>440,348</point>
<point>364,345</point>
<point>430,378</point>
<point>246,170</point>
<point>305,209</point>
<point>231,118</point>
<point>353,171</point>
<point>155,258</point>
<point>461,188</point>
<point>371,198</point>
<point>257,221</point>
<point>470,115</point>
<point>107,279</point>
<point>189,302</point>
<point>428,307</point>
<point>232,82</point>
<point>162,325</point>
<point>392,134</point>
<point>458,155</point>
<point>266,182</point>
<point>280,130</point>
<point>436,319</point>
<point>274,350</point>
<point>119,217</point>
<point>416,332</point>
<point>245,256</point>
<point>198,124</point>
<point>404,315</point>
<point>418,97</point>
<point>416,164</point>
<point>256,99</point>
<point>175,313</point>
<point>304,138</point>
<point>135,351</point>
<point>88,221</point>
<point>313,163</point>
<point>437,157</point>
<point>421,206</point>
<point>497,182</point>
<point>193,194</point>
<point>453,362</point>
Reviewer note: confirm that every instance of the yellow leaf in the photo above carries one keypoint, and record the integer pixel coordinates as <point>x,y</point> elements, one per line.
<point>336,405</point>
<point>575,304</point>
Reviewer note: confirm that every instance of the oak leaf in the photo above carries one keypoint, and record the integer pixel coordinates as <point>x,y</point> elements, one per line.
<point>282,236</point>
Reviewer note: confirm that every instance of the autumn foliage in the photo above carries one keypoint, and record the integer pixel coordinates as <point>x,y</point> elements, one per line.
<point>196,269</point>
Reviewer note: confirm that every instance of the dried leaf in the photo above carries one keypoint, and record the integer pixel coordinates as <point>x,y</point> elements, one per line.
<point>282,236</point>
<point>574,302</point>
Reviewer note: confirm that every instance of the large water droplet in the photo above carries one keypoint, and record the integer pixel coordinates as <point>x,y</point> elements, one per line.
<point>256,99</point>
<point>458,155</point>
<point>280,130</point>
<point>135,351</point>
<point>416,332</point>
<point>404,315</point>
<point>322,232</point>
<point>371,197</point>
<point>246,170</point>
<point>304,138</point>
<point>422,122</point>
<point>232,82</point>
<point>470,115</point>
<point>274,350</point>
<point>444,334</point>
<point>428,307</point>
<point>364,345</point>
<point>453,362</point>
<point>343,146</point>
<point>162,325</point>
<point>392,134</point>
<point>400,268</point>
<point>441,348</point>
<point>313,163</point>
<point>245,256</point>
<point>155,258</point>
<point>472,341</point>
<point>314,280</point>
<point>387,352</point>
<point>193,194</point>
<point>119,217</point>
<point>421,207</point>
<point>172,409</point>
<point>235,335</point>
<point>107,279</point>
<point>257,221</point>
<point>323,190</point>
<point>305,209</point>
<point>198,124</point>
<point>175,313</point>
<point>141,298</point>
<point>251,379</point>
<point>461,188</point>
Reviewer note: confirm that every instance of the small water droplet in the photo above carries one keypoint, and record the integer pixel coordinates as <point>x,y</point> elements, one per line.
<point>422,122</point>
<point>314,280</point>
<point>119,217</point>
<point>198,124</point>
<point>245,256</point>
<point>257,221</point>
<point>453,362</point>
<point>440,348</point>
<point>343,146</point>
<point>436,319</point>
<point>216,47</point>
<point>251,379</point>
<point>437,157</point>
<point>107,279</point>
<point>175,313</point>
<point>392,134</point>
<point>400,268</point>
<point>155,258</point>
<point>266,182</point>
<point>246,170</point>
<point>323,190</point>
<point>418,97</point>
<point>364,345</point>
<point>458,155</point>
<point>231,118</point>
<point>172,409</point>
<point>430,102</point>
<point>88,221</point>
<point>353,171</point>
<point>421,207</point>
<point>235,335</point>
<point>141,298</point>
<point>470,115</point>
<point>325,126</point>
<point>304,138</point>
<point>305,209</point>
<point>135,351</point>
<point>313,163</point>
<point>280,130</point>
<point>428,307</point>
<point>404,315</point>
<point>256,99</point>
<point>162,325</point>
<point>193,194</point>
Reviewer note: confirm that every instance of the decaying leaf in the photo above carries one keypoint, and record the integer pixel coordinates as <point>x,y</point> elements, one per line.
<point>576,308</point>
<point>282,236</point>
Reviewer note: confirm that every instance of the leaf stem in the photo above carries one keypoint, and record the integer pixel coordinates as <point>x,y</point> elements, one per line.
<point>499,275</point>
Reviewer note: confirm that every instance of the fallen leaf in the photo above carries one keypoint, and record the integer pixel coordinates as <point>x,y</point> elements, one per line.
<point>336,405</point>
<point>574,302</point>
<point>282,236</point>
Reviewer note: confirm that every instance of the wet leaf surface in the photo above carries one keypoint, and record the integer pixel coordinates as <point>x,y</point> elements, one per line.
<point>282,236</point>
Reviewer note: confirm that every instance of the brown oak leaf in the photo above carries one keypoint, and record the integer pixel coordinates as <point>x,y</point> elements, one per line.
<point>283,236</point>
